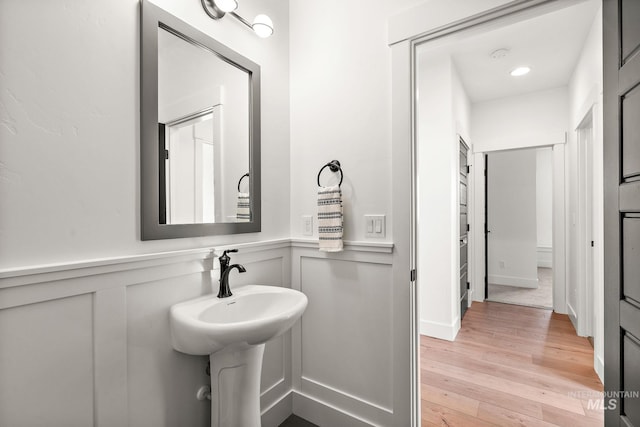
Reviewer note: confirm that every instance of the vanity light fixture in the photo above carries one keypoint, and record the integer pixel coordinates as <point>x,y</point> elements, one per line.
<point>520,71</point>
<point>216,9</point>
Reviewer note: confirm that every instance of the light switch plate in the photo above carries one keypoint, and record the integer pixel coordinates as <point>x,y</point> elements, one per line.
<point>375,226</point>
<point>307,225</point>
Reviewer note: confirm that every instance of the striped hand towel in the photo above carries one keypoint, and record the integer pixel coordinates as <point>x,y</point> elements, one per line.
<point>330,218</point>
<point>243,213</point>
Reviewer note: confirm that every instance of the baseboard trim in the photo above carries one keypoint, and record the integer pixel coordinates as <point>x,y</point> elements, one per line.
<point>545,256</point>
<point>518,282</point>
<point>324,414</point>
<point>572,316</point>
<point>279,411</point>
<point>440,330</point>
<point>599,368</point>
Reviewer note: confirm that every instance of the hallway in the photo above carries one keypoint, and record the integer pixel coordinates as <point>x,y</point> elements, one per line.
<point>540,297</point>
<point>510,365</point>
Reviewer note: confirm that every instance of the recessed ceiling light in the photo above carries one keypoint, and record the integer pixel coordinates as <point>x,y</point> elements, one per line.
<point>520,71</point>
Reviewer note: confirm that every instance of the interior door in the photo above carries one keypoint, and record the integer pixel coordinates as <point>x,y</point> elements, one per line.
<point>464,230</point>
<point>621,50</point>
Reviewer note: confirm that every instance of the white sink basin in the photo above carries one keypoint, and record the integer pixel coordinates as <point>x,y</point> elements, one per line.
<point>253,315</point>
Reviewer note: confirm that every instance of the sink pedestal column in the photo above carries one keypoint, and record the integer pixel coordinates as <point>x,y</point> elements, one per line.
<point>235,386</point>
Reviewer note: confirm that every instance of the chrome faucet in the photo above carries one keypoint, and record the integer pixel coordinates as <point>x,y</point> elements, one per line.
<point>225,269</point>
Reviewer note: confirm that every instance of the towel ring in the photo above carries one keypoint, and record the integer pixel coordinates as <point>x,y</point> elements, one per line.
<point>334,166</point>
<point>241,178</point>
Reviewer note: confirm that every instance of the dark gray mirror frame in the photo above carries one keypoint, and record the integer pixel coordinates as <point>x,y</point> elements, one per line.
<point>152,18</point>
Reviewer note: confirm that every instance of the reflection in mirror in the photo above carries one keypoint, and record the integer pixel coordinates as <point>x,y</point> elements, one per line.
<point>203,112</point>
<point>200,133</point>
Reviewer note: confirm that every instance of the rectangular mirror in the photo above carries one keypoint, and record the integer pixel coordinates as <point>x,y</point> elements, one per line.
<point>200,133</point>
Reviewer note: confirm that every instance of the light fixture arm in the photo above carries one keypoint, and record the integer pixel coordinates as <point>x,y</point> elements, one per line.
<point>212,10</point>
<point>240,18</point>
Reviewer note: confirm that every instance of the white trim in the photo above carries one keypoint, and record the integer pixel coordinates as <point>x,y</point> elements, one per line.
<point>349,245</point>
<point>275,414</point>
<point>590,101</point>
<point>599,367</point>
<point>54,272</point>
<point>572,316</point>
<point>439,330</point>
<point>263,245</point>
<point>160,257</point>
<point>545,256</point>
<point>518,282</point>
<point>559,229</point>
<point>323,413</point>
<point>531,140</point>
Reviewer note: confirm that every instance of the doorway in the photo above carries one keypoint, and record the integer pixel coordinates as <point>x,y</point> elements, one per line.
<point>519,231</point>
<point>437,179</point>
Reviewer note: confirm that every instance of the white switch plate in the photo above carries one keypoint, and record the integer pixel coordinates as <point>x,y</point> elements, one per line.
<point>375,226</point>
<point>307,225</point>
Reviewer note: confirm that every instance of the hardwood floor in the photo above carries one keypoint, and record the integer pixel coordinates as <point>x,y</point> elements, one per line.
<point>510,366</point>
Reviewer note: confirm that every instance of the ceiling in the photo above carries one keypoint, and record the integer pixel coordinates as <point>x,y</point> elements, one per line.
<point>549,44</point>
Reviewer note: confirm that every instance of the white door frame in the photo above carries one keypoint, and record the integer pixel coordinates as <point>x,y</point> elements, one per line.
<point>405,31</point>
<point>582,315</point>
<point>558,224</point>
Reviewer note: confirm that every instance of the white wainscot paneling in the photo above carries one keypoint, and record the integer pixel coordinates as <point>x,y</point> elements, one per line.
<point>46,363</point>
<point>343,357</point>
<point>160,379</point>
<point>88,343</point>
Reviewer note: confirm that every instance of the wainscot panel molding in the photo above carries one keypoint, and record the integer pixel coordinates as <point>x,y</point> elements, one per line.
<point>95,335</point>
<point>381,247</point>
<point>342,356</point>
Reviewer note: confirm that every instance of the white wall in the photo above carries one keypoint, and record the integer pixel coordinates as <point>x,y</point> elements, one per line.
<point>69,139</point>
<point>340,108</point>
<point>512,246</point>
<point>529,120</point>
<point>462,126</point>
<point>443,114</point>
<point>585,91</point>
<point>544,206</point>
<point>461,106</point>
<point>436,207</point>
<point>69,143</point>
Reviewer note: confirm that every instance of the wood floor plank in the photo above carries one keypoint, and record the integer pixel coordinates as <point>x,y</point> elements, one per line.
<point>521,374</point>
<point>443,416</point>
<point>450,399</point>
<point>508,418</point>
<point>509,365</point>
<point>483,394</point>
<point>563,418</point>
<point>496,383</point>
<point>510,356</point>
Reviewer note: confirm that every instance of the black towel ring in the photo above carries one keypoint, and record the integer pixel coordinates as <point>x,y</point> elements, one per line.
<point>334,166</point>
<point>241,178</point>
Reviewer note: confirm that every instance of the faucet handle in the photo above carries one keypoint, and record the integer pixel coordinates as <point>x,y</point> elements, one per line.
<point>225,259</point>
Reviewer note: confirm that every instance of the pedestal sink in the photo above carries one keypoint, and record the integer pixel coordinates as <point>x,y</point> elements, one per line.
<point>232,331</point>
